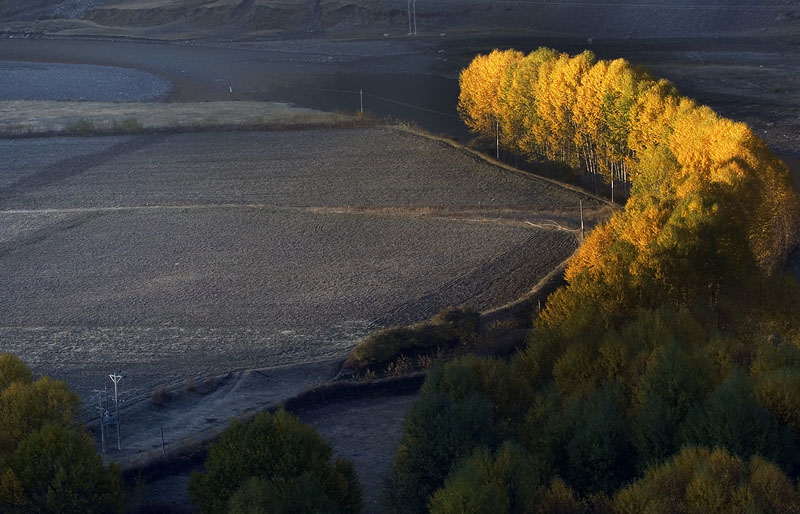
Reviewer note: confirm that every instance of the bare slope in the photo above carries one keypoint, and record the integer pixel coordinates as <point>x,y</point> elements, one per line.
<point>240,18</point>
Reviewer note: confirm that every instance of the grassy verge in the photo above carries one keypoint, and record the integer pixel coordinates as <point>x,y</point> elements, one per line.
<point>386,348</point>
<point>21,118</point>
<point>405,351</point>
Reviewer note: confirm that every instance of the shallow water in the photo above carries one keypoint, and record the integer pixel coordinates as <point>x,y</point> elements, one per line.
<point>411,86</point>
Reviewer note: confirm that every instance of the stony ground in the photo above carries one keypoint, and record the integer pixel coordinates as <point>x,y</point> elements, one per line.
<point>78,82</point>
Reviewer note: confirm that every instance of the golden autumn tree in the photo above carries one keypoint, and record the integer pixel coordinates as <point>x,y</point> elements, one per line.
<point>517,106</point>
<point>479,85</point>
<point>556,95</point>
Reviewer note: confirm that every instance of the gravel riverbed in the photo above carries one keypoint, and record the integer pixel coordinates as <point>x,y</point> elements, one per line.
<point>21,80</point>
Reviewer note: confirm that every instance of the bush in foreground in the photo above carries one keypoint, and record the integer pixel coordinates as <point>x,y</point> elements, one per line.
<point>48,463</point>
<point>471,403</point>
<point>274,463</point>
<point>507,482</point>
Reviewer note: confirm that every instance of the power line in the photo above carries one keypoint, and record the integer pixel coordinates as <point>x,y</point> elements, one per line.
<point>398,102</point>
<point>378,97</point>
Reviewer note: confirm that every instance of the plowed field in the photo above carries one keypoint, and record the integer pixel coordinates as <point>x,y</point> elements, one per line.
<point>178,256</point>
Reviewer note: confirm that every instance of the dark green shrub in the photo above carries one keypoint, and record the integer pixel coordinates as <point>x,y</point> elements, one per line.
<point>129,125</point>
<point>669,387</point>
<point>584,441</point>
<point>27,407</point>
<point>460,321</point>
<point>48,464</point>
<point>57,470</point>
<point>506,482</point>
<point>13,370</point>
<point>505,387</point>
<point>161,397</point>
<point>300,494</point>
<point>450,418</point>
<point>559,498</point>
<point>701,480</point>
<point>381,347</point>
<point>274,460</point>
<point>598,455</point>
<point>446,329</point>
<point>732,418</point>
<point>779,392</point>
<point>80,127</point>
<point>655,432</point>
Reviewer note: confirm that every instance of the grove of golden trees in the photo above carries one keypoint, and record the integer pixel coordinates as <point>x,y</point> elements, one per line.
<point>664,376</point>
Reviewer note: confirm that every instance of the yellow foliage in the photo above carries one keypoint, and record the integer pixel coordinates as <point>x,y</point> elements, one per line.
<point>651,115</point>
<point>517,106</point>
<point>613,119</point>
<point>480,82</point>
<point>591,252</point>
<point>560,499</point>
<point>701,481</point>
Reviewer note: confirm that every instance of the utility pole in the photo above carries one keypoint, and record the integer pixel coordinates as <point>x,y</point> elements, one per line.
<point>116,378</point>
<point>361,97</point>
<point>497,138</point>
<point>412,13</point>
<point>414,8</point>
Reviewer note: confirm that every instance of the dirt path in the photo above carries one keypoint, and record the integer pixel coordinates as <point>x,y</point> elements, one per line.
<point>195,411</point>
<point>367,432</point>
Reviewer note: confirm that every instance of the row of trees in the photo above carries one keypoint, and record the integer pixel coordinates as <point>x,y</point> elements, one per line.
<point>614,121</point>
<point>663,376</point>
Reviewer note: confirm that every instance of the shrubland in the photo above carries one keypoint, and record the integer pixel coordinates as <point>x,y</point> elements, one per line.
<point>660,378</point>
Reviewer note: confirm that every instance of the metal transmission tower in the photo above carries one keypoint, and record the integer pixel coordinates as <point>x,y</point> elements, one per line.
<point>412,14</point>
<point>116,378</point>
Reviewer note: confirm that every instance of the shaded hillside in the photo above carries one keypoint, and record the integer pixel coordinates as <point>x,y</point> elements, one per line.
<point>24,10</point>
<point>593,18</point>
<point>586,18</point>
